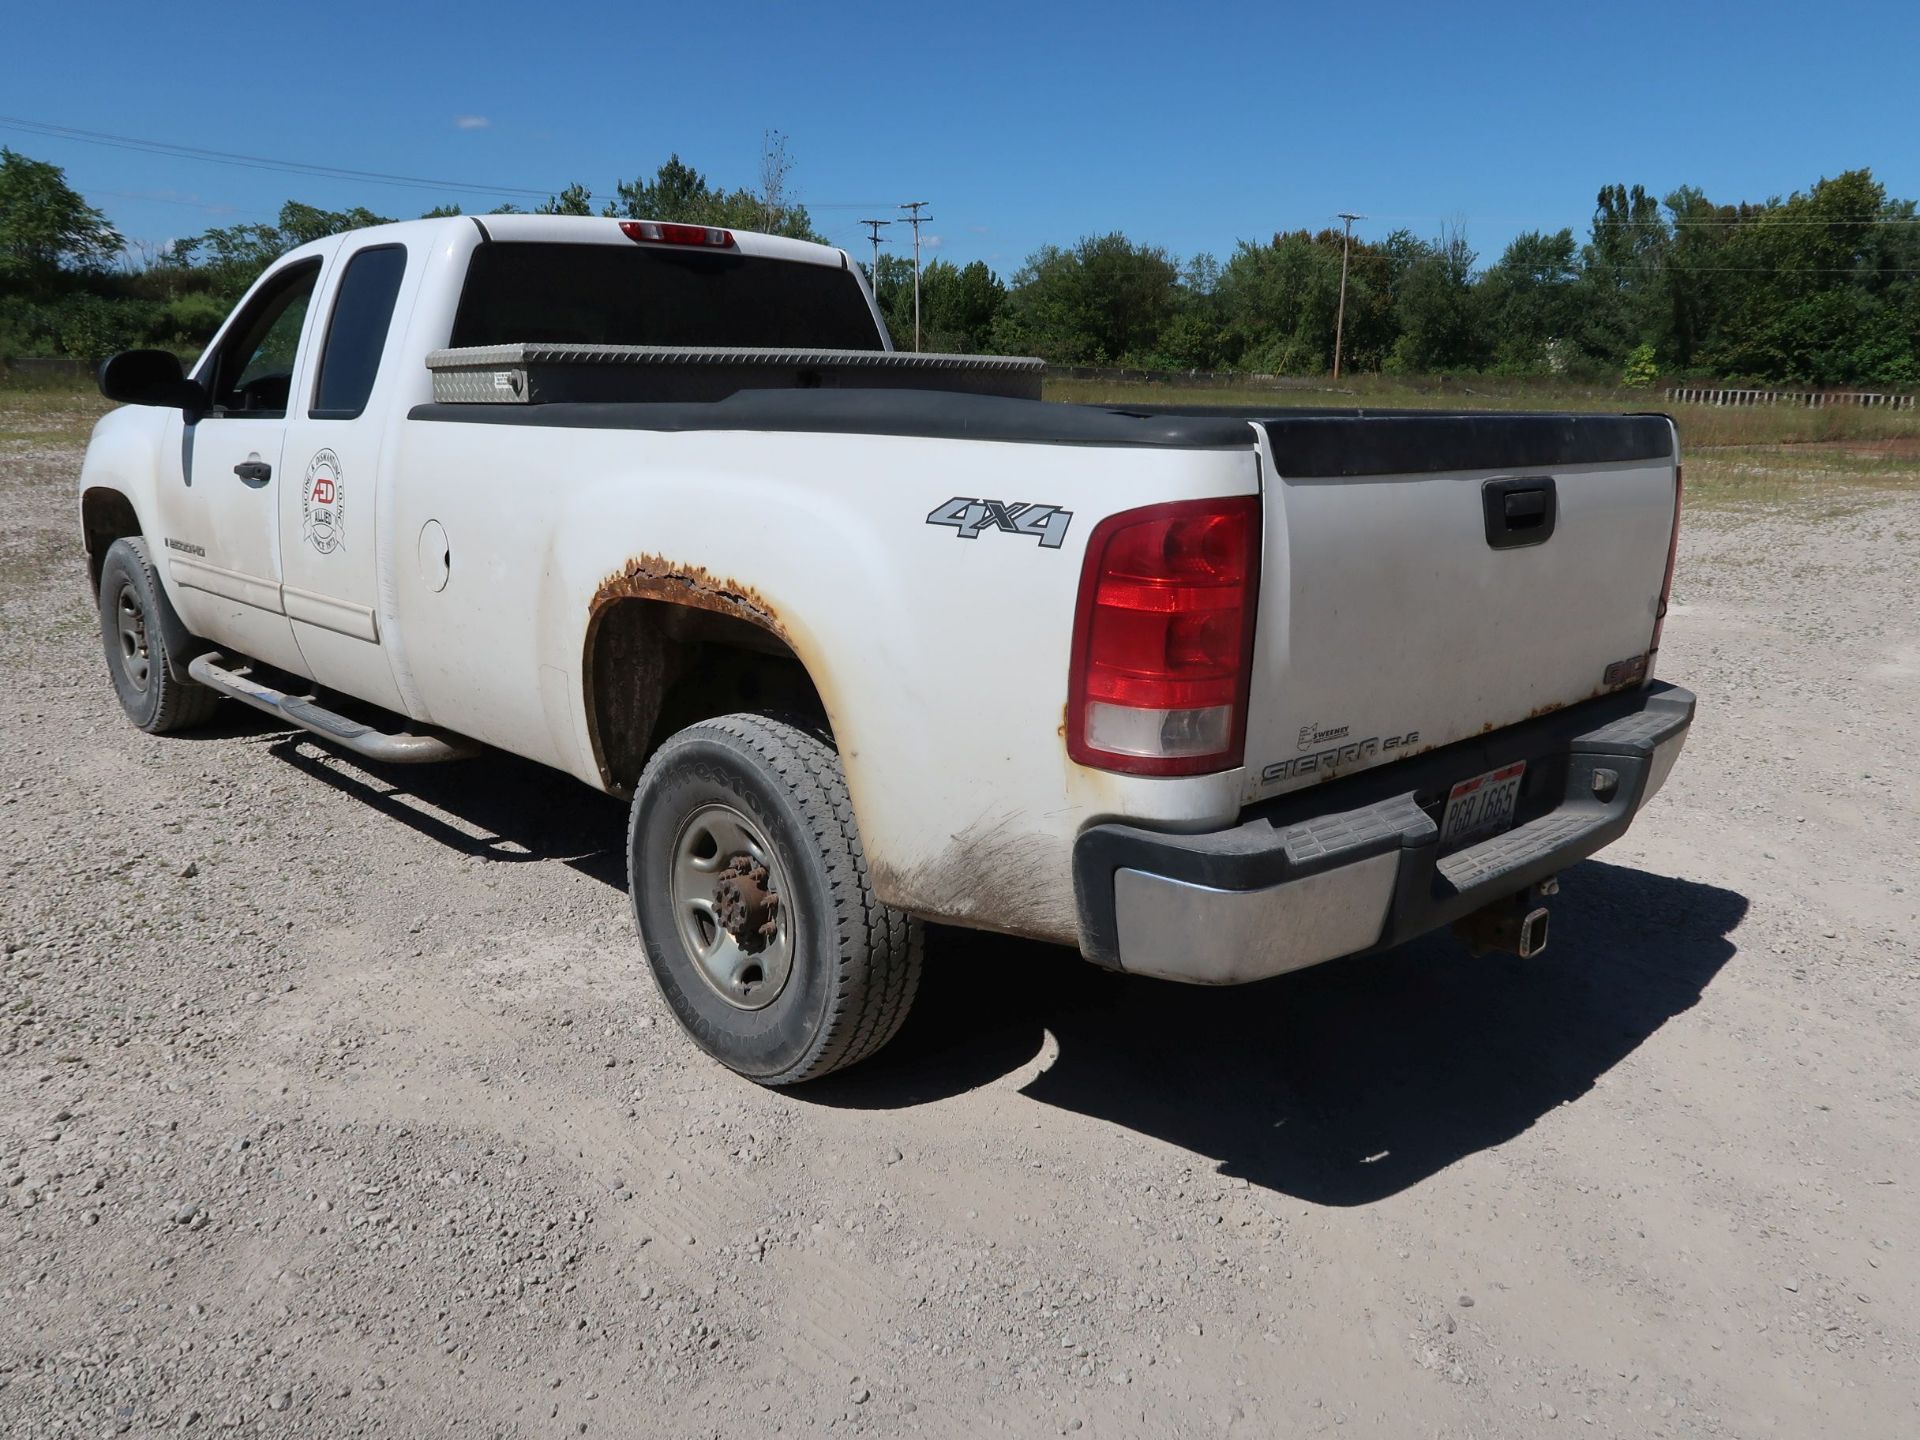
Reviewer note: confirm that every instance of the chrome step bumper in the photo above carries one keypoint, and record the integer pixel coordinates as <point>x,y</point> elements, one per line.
<point>1355,865</point>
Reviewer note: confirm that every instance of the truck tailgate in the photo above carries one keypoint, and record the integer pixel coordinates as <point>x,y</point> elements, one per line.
<point>1427,578</point>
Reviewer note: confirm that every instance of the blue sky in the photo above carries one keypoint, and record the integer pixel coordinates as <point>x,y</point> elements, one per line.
<point>1189,126</point>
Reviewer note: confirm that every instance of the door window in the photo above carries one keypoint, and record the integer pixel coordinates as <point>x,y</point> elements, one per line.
<point>357,333</point>
<point>252,373</point>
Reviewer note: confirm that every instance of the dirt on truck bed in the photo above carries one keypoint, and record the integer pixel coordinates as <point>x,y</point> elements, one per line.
<point>338,1101</point>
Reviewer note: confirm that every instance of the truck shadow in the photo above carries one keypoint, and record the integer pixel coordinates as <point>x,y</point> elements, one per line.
<point>1340,1085</point>
<point>497,807</point>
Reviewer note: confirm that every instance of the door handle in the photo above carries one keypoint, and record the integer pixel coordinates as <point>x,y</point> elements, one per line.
<point>257,471</point>
<point>1521,511</point>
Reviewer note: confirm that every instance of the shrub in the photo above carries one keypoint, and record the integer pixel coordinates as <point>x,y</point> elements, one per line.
<point>1641,369</point>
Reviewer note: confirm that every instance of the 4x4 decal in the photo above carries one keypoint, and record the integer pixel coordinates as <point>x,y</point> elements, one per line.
<point>1047,523</point>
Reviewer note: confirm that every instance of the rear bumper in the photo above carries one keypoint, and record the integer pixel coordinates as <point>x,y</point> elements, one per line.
<point>1354,865</point>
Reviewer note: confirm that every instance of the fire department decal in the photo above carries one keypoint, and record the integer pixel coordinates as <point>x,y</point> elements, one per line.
<point>968,517</point>
<point>323,504</point>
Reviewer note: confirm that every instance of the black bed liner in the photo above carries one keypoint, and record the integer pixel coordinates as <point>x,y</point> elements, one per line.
<point>1306,443</point>
<point>928,414</point>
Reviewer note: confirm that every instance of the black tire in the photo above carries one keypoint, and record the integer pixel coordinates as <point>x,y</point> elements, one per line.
<point>134,636</point>
<point>854,963</point>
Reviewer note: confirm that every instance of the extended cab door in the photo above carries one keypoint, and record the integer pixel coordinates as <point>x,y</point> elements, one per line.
<point>221,524</point>
<point>330,505</point>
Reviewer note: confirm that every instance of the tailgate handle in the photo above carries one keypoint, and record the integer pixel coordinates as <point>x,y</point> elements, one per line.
<point>1520,511</point>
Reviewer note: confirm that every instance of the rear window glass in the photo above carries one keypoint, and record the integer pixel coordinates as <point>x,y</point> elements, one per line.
<point>520,292</point>
<point>358,332</point>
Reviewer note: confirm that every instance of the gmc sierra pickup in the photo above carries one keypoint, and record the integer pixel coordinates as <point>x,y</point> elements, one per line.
<point>874,639</point>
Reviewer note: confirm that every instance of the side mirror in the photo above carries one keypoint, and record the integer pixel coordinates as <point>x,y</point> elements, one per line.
<point>151,377</point>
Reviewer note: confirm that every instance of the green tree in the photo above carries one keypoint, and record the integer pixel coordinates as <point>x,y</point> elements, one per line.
<point>1106,301</point>
<point>1279,302</point>
<point>46,228</point>
<point>893,293</point>
<point>1195,339</point>
<point>1438,312</point>
<point>230,258</point>
<point>958,305</point>
<point>1826,292</point>
<point>1622,264</point>
<point>1528,300</point>
<point>576,199</point>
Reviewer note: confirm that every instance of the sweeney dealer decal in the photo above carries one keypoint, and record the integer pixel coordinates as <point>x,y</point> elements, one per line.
<point>1048,523</point>
<point>1313,737</point>
<point>323,504</point>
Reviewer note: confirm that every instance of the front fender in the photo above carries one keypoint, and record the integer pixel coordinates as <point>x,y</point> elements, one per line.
<point>122,461</point>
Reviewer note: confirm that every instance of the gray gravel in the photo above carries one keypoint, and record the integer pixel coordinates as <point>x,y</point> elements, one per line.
<point>338,1102</point>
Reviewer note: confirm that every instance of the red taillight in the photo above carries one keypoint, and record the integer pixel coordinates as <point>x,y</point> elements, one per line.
<point>1163,638</point>
<point>659,232</point>
<point>1666,585</point>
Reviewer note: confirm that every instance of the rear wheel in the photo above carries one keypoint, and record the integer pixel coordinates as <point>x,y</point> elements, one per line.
<point>131,605</point>
<point>751,893</point>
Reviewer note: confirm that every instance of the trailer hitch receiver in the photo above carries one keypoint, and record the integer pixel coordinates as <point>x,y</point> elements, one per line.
<point>1515,926</point>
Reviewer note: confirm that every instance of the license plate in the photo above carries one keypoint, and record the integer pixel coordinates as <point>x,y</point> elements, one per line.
<point>1483,805</point>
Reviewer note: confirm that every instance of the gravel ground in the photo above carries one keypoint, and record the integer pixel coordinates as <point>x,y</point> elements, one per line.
<point>340,1103</point>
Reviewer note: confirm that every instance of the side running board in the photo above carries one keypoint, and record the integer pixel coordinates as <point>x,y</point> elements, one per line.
<point>216,672</point>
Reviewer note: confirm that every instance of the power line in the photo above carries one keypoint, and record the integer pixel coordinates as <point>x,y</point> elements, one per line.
<point>256,162</point>
<point>211,209</point>
<point>143,145</point>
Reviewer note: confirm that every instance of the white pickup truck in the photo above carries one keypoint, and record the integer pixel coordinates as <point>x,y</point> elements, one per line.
<point>873,639</point>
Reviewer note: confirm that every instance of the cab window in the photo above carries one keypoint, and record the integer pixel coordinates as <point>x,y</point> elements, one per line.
<point>252,373</point>
<point>357,332</point>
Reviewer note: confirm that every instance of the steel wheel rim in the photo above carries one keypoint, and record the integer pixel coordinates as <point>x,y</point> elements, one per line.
<point>131,627</point>
<point>747,970</point>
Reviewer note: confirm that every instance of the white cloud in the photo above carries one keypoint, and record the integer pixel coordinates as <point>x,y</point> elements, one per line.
<point>931,242</point>
<point>471,122</point>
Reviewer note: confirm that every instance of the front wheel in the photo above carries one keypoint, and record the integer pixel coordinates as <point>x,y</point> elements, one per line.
<point>751,893</point>
<point>131,605</point>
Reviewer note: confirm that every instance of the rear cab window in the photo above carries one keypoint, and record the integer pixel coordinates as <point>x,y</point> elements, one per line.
<point>357,332</point>
<point>538,292</point>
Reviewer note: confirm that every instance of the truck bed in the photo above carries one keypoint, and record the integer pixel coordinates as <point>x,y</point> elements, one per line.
<point>1399,611</point>
<point>1322,443</point>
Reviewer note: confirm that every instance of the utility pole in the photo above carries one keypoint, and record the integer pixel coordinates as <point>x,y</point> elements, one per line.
<point>915,219</point>
<point>1340,320</point>
<point>873,229</point>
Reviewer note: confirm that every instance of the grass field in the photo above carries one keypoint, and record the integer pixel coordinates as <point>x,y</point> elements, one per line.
<point>1832,459</point>
<point>1701,426</point>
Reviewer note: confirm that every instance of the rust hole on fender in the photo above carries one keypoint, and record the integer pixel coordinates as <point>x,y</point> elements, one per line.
<point>653,577</point>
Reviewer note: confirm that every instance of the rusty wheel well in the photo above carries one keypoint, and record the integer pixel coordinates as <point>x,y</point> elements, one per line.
<point>654,667</point>
<point>105,516</point>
